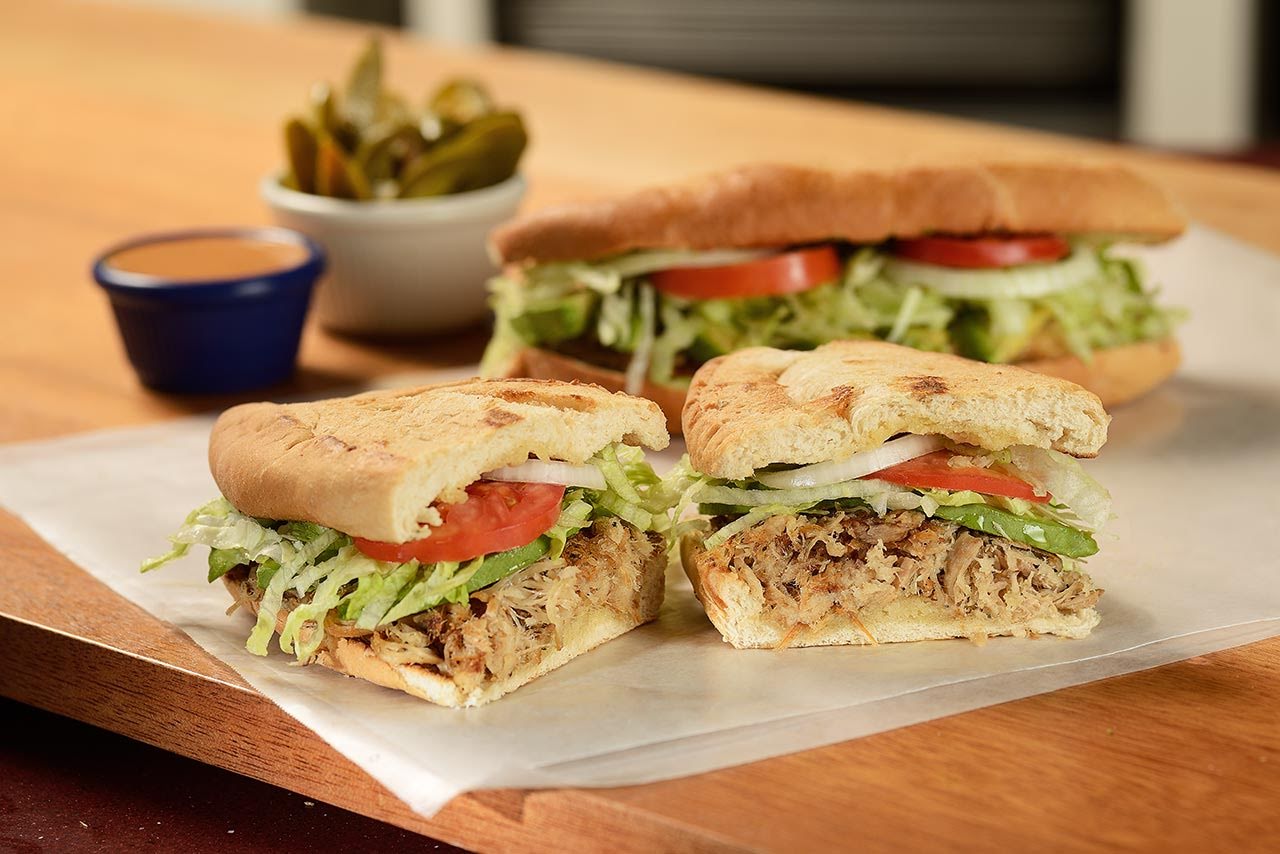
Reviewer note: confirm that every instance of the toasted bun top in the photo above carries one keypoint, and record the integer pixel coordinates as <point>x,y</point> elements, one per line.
<point>777,205</point>
<point>761,406</point>
<point>368,465</point>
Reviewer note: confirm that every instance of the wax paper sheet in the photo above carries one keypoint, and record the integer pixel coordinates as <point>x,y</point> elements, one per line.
<point>1188,566</point>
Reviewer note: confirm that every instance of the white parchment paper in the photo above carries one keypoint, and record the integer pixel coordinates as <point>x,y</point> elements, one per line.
<point>1188,566</point>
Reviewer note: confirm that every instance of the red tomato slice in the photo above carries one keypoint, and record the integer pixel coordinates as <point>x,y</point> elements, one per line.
<point>983,252</point>
<point>495,517</point>
<point>933,472</point>
<point>785,273</point>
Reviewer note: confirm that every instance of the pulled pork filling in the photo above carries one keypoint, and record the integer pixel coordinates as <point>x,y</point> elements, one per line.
<point>513,623</point>
<point>804,567</point>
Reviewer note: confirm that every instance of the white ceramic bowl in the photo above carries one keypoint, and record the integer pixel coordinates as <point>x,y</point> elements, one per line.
<point>404,265</point>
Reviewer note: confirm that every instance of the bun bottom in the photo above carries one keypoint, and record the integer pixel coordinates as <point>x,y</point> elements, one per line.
<point>738,612</point>
<point>1117,374</point>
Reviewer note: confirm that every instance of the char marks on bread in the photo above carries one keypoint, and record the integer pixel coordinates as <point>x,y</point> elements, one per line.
<point>769,205</point>
<point>549,365</point>
<point>368,465</point>
<point>760,406</point>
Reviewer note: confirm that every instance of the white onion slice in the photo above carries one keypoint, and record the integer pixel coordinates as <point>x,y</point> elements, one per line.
<point>1026,281</point>
<point>549,471</point>
<point>717,258</point>
<point>851,468</point>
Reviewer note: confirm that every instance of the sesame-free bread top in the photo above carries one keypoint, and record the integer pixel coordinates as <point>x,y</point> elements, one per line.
<point>765,205</point>
<point>762,406</point>
<point>370,464</point>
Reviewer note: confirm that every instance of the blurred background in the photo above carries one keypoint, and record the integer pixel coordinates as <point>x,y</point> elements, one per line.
<point>1191,75</point>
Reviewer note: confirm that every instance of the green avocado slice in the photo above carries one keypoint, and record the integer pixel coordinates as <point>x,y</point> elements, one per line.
<point>499,566</point>
<point>712,341</point>
<point>1041,534</point>
<point>222,561</point>
<point>555,321</point>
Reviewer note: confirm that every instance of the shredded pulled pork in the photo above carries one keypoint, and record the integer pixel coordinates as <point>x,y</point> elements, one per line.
<point>803,567</point>
<point>516,621</point>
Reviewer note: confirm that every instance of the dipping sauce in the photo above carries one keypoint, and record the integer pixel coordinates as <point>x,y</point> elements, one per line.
<point>211,257</point>
<point>217,311</point>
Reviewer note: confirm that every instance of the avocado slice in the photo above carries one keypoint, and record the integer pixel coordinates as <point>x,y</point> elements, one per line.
<point>222,561</point>
<point>1041,534</point>
<point>552,322</point>
<point>972,337</point>
<point>498,566</point>
<point>713,341</point>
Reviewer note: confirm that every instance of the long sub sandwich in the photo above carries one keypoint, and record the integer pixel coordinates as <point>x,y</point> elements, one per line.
<point>1002,263</point>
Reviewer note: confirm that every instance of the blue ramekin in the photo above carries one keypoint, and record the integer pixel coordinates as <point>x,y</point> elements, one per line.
<point>213,335</point>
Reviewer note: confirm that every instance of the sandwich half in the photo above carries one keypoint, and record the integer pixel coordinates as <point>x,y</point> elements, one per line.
<point>1000,262</point>
<point>451,541</point>
<point>867,493</point>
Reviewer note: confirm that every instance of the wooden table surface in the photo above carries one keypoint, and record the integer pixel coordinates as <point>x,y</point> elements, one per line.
<point>126,119</point>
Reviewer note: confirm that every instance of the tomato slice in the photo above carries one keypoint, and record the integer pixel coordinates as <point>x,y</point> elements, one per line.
<point>983,252</point>
<point>784,273</point>
<point>495,517</point>
<point>932,471</point>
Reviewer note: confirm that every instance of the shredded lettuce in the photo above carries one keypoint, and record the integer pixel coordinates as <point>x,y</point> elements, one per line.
<point>618,320</point>
<point>1097,300</point>
<point>679,332</point>
<point>347,566</point>
<point>324,569</point>
<point>575,514</point>
<point>1082,499</point>
<point>361,589</point>
<point>219,526</point>
<point>269,610</point>
<point>376,593</point>
<point>682,484</point>
<point>634,492</point>
<point>642,351</point>
<point>437,583</point>
<point>906,314</point>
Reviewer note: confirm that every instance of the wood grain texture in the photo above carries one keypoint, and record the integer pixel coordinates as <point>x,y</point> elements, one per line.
<point>120,120</point>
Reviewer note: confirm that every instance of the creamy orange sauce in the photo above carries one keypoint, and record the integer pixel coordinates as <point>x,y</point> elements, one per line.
<point>195,259</point>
